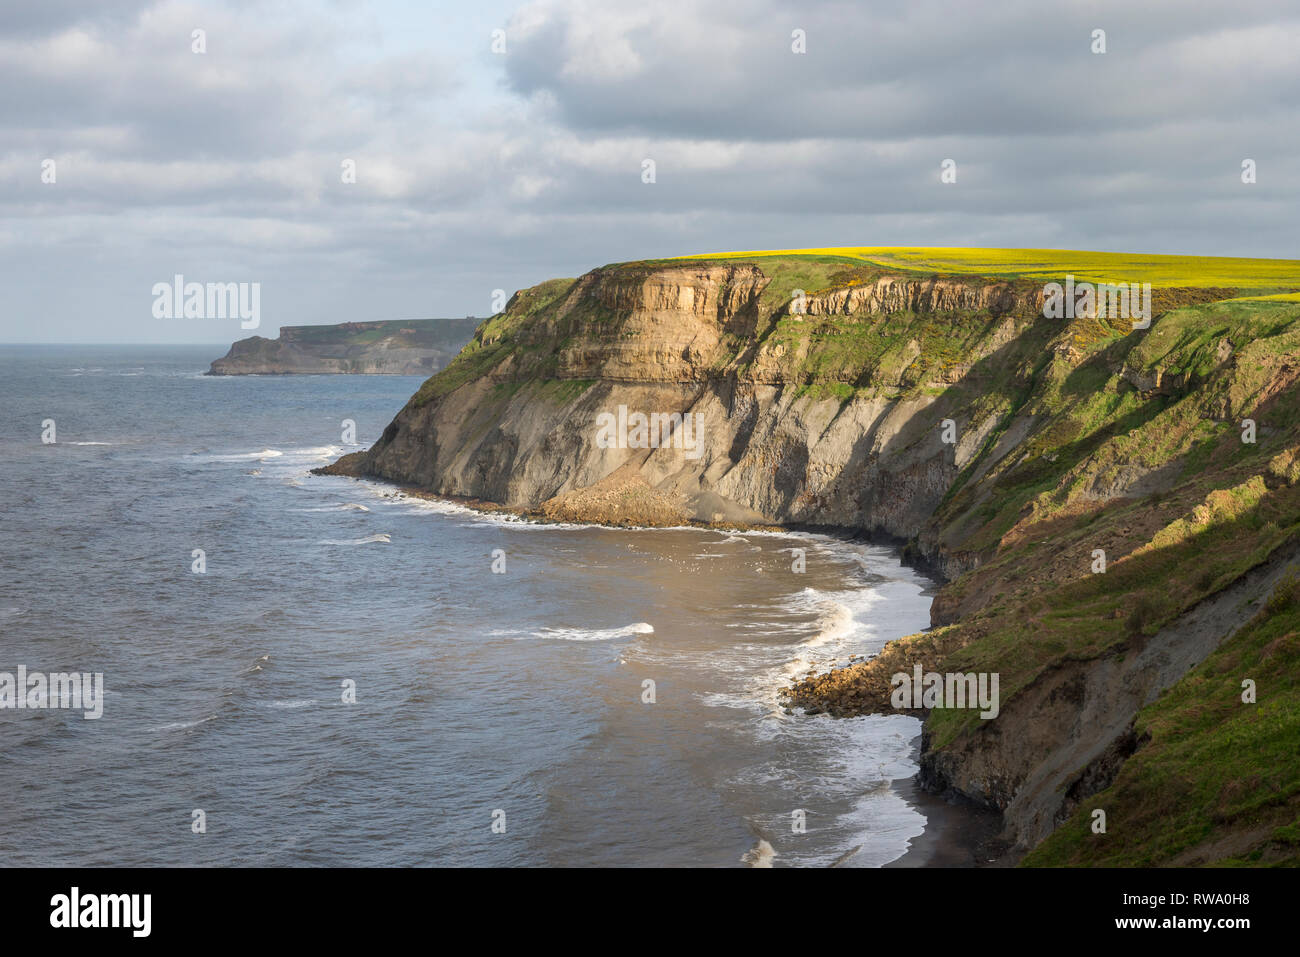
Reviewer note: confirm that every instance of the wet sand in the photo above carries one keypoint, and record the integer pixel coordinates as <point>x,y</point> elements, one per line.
<point>956,835</point>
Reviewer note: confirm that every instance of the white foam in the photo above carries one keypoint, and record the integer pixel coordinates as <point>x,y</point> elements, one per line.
<point>381,538</point>
<point>475,517</point>
<point>261,456</point>
<point>182,725</point>
<point>836,624</point>
<point>318,452</point>
<point>579,634</point>
<point>862,755</point>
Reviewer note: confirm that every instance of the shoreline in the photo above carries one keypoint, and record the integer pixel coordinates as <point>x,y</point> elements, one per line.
<point>955,834</point>
<point>268,375</point>
<point>537,517</point>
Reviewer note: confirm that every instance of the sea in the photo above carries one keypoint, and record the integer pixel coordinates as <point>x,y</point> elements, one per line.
<point>319,671</point>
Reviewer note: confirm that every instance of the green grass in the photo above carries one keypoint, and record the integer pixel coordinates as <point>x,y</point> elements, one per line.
<point>1216,779</point>
<point>416,332</point>
<point>1033,516</point>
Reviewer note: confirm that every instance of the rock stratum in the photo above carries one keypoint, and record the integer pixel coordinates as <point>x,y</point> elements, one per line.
<point>1114,511</point>
<point>387,347</point>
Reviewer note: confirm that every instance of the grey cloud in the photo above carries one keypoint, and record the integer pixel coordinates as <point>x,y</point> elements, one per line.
<point>478,172</point>
<point>40,17</point>
<point>885,70</point>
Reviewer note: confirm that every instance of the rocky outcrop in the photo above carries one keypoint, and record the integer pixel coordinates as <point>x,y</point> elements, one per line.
<point>898,294</point>
<point>397,347</point>
<point>662,325</point>
<point>765,454</point>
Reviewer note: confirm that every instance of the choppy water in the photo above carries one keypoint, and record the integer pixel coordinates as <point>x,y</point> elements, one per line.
<point>476,692</point>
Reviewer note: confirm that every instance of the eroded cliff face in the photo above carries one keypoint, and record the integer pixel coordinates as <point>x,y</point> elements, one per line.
<point>773,443</point>
<point>667,325</point>
<point>898,294</point>
<point>764,456</point>
<point>1005,448</point>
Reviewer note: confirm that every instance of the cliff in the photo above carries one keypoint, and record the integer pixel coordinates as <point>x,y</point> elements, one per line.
<point>391,347</point>
<point>1008,450</point>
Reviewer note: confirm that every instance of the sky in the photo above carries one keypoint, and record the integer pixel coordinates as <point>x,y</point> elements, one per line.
<point>498,144</point>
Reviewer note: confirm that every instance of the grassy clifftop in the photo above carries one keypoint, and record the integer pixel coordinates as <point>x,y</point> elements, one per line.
<point>1258,276</point>
<point>437,333</point>
<point>841,341</point>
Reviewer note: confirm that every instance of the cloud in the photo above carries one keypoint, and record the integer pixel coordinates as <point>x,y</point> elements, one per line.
<point>897,69</point>
<point>477,171</point>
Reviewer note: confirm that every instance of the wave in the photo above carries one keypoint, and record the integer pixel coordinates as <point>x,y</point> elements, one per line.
<point>340,507</point>
<point>261,456</point>
<point>820,629</point>
<point>450,509</point>
<point>292,705</point>
<point>835,624</point>
<point>183,725</point>
<point>368,540</point>
<point>85,443</point>
<point>315,452</point>
<point>853,761</point>
<point>320,451</point>
<point>579,634</point>
<point>833,641</point>
<point>477,517</point>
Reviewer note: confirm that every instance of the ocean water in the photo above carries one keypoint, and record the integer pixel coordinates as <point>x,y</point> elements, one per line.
<point>513,699</point>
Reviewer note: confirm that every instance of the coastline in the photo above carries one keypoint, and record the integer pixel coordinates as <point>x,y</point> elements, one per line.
<point>288,372</point>
<point>955,834</point>
<point>537,516</point>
